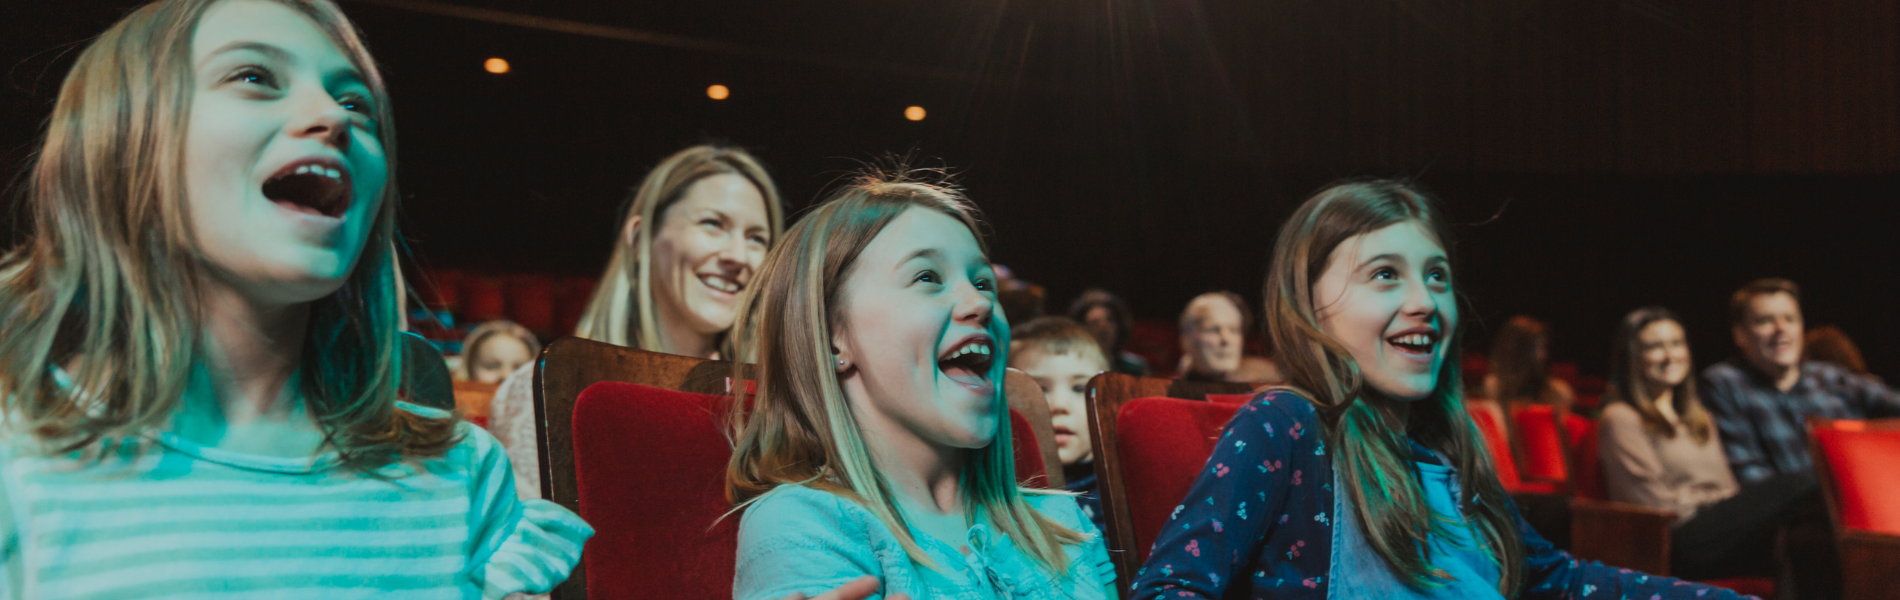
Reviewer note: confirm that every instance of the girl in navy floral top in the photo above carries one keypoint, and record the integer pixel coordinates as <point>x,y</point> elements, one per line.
<point>1367,480</point>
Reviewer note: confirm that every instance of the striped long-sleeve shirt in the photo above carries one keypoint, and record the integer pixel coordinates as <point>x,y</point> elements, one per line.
<point>162,517</point>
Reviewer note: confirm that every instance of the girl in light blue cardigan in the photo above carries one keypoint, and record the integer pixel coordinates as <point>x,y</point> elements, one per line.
<point>878,444</point>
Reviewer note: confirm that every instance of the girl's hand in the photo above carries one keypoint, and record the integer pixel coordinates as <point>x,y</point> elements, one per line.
<point>858,589</point>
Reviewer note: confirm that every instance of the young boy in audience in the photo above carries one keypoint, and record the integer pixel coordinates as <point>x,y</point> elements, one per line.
<point>1061,356</point>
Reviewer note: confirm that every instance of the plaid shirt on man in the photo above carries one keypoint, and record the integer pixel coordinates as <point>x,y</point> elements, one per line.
<point>1764,430</point>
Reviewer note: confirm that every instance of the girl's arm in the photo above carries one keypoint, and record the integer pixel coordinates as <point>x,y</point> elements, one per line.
<point>1552,574</point>
<point>1233,506</point>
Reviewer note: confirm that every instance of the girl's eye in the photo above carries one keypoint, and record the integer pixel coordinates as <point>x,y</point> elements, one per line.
<point>1439,276</point>
<point>255,75</point>
<point>1078,389</point>
<point>354,104</point>
<point>983,284</point>
<point>1385,273</point>
<point>929,277</point>
<point>760,240</point>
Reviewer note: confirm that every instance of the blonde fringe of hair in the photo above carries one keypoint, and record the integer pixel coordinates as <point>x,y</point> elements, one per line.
<point>800,430</point>
<point>621,311</point>
<point>107,283</point>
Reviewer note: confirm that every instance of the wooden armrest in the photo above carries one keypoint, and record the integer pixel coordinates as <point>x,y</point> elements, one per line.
<point>1621,535</point>
<point>1867,564</point>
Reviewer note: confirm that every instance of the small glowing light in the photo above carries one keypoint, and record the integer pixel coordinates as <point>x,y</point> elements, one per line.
<point>495,65</point>
<point>718,92</point>
<point>914,113</point>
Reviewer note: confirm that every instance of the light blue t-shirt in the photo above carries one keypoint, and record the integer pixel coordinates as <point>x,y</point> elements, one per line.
<point>1473,572</point>
<point>798,539</point>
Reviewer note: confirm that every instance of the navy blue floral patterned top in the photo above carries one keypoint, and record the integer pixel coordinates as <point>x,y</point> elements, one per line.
<point>1259,523</point>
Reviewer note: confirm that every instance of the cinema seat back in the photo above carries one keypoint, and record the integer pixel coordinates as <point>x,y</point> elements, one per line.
<point>1543,445</point>
<point>1500,448</point>
<point>1164,443</point>
<point>1865,491</point>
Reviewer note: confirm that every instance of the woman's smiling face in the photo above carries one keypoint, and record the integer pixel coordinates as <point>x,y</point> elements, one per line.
<point>919,333</point>
<point>705,250</point>
<point>1386,296</point>
<point>284,172</point>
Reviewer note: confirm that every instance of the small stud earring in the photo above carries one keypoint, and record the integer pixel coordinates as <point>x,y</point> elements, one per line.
<point>841,361</point>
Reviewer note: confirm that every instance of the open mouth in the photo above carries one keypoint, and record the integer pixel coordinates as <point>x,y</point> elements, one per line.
<point>316,186</point>
<point>721,283</point>
<point>968,363</point>
<point>1417,341</point>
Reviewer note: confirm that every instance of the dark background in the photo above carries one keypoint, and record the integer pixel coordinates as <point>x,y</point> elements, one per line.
<point>1600,155</point>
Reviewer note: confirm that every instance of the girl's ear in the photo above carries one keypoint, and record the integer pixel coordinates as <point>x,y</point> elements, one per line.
<point>841,355</point>
<point>630,231</point>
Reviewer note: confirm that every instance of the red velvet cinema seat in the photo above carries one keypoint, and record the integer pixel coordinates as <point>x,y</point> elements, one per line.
<point>1855,461</point>
<point>1166,452</point>
<point>633,442</point>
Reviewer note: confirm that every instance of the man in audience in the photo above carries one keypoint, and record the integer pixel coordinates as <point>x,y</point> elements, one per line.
<point>1061,356</point>
<point>1213,329</point>
<point>1762,399</point>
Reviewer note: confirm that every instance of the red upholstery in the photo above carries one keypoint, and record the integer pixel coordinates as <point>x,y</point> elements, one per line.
<point>482,299</point>
<point>1475,367</point>
<point>1589,483</point>
<point>650,467</point>
<point>1494,441</point>
<point>1758,587</point>
<point>1865,487</point>
<point>1164,443</point>
<point>1543,450</point>
<point>1230,398</point>
<point>1029,468</point>
<point>570,302</point>
<point>531,301</point>
<point>440,290</point>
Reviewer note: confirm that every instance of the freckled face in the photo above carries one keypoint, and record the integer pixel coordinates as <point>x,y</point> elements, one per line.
<point>920,333</point>
<point>1386,296</point>
<point>283,169</point>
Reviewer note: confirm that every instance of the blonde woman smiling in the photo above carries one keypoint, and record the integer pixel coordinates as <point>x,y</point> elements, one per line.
<point>694,234</point>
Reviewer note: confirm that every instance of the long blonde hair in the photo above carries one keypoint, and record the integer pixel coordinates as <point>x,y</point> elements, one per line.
<point>621,311</point>
<point>1373,459</point>
<point>801,430</point>
<point>107,282</point>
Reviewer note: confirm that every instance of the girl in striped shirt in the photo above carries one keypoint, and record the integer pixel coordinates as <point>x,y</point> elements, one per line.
<point>198,351</point>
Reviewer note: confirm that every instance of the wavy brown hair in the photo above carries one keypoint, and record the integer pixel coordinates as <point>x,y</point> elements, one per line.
<point>1372,457</point>
<point>800,430</point>
<point>1628,386</point>
<point>106,283</point>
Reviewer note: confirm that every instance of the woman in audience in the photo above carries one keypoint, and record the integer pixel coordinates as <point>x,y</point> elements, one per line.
<point>1520,367</point>
<point>495,349</point>
<point>198,340</point>
<point>1367,479</point>
<point>1660,449</point>
<point>1110,321</point>
<point>692,236</point>
<point>879,442</point>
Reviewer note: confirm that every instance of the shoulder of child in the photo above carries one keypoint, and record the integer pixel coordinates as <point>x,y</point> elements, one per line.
<point>801,512</point>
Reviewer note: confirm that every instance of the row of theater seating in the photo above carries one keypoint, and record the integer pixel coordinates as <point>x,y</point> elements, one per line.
<point>547,305</point>
<point>1149,453</point>
<point>634,442</point>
